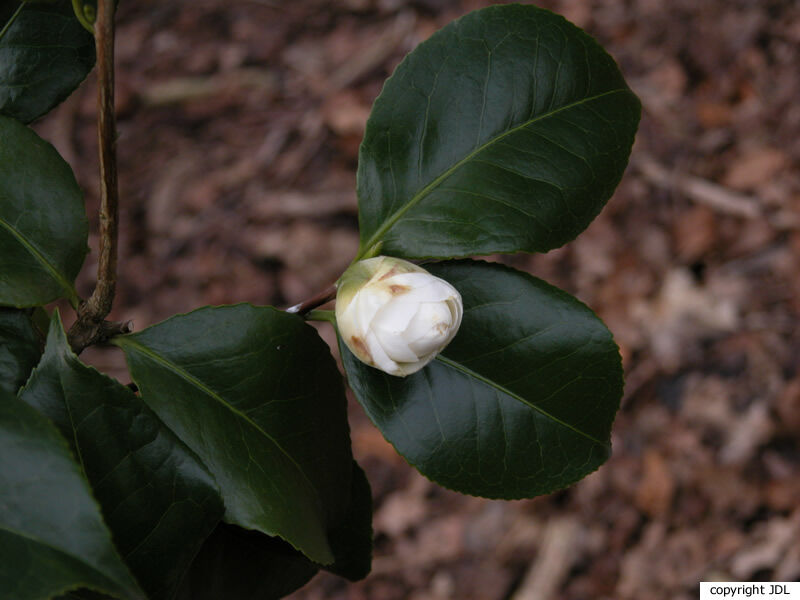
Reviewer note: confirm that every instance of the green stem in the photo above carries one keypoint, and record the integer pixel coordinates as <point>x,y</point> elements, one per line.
<point>80,12</point>
<point>322,315</point>
<point>13,18</point>
<point>371,252</point>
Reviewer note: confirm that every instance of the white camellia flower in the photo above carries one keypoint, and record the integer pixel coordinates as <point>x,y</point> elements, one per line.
<point>394,315</point>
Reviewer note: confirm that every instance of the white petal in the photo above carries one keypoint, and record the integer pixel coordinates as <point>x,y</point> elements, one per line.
<point>457,310</point>
<point>366,305</point>
<point>409,368</point>
<point>409,279</point>
<point>347,320</point>
<point>430,329</point>
<point>424,287</point>
<point>395,346</point>
<point>395,316</point>
<point>379,357</point>
<point>427,317</point>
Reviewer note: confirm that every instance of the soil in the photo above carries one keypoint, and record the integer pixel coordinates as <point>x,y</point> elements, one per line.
<point>239,126</point>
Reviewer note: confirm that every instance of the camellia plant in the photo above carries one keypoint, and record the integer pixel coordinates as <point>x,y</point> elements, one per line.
<point>225,469</point>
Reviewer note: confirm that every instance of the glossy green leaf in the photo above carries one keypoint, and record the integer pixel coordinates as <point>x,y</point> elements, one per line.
<point>158,500</point>
<point>43,226</point>
<point>256,394</point>
<point>52,537</point>
<point>20,348</point>
<point>44,55</point>
<point>351,539</point>
<point>519,404</point>
<point>236,564</point>
<point>506,131</point>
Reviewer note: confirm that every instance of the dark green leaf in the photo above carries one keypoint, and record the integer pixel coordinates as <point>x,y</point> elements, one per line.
<point>256,394</point>
<point>236,564</point>
<point>20,348</point>
<point>43,227</point>
<point>519,404</point>
<point>157,498</point>
<point>506,131</point>
<point>351,540</point>
<point>44,55</point>
<point>52,537</point>
<point>84,594</point>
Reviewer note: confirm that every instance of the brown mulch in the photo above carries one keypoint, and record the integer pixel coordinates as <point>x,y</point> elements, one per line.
<point>239,125</point>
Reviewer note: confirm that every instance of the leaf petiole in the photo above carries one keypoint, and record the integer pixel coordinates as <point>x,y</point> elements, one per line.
<point>322,315</point>
<point>371,252</point>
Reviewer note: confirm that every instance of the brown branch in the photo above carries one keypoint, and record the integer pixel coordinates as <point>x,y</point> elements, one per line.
<point>315,301</point>
<point>103,295</point>
<point>91,326</point>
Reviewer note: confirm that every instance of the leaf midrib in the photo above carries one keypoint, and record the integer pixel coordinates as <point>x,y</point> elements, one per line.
<point>469,372</point>
<point>419,196</point>
<point>33,251</point>
<point>191,379</point>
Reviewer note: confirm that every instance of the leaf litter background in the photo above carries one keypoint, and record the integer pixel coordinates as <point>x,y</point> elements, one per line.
<point>239,128</point>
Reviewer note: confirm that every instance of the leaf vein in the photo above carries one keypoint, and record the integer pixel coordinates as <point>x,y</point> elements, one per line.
<point>470,373</point>
<point>397,215</point>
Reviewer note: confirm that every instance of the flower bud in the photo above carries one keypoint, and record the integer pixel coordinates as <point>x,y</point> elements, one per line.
<point>394,315</point>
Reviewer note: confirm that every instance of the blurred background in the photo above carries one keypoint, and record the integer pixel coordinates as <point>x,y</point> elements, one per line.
<point>239,126</point>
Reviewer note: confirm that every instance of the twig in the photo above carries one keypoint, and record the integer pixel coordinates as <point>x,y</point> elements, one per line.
<point>701,190</point>
<point>373,55</point>
<point>556,556</point>
<point>307,306</point>
<point>91,326</point>
<point>187,89</point>
<point>103,295</point>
